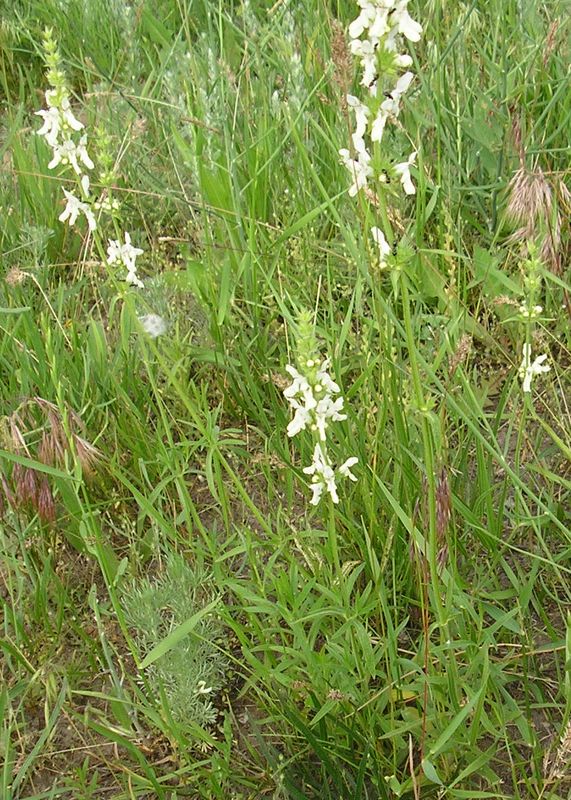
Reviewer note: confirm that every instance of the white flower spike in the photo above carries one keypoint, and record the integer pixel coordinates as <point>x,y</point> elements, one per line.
<point>311,396</point>
<point>375,37</point>
<point>57,119</point>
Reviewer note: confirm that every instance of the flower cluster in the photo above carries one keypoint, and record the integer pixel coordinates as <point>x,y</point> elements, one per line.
<point>374,39</point>
<point>126,255</point>
<point>61,131</point>
<point>312,397</point>
<point>529,311</point>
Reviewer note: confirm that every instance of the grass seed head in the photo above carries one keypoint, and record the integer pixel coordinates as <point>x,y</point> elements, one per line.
<point>88,455</point>
<point>530,196</point>
<point>461,353</point>
<point>15,277</point>
<point>8,494</point>
<point>559,766</point>
<point>532,206</point>
<point>342,65</point>
<point>550,41</point>
<point>45,502</point>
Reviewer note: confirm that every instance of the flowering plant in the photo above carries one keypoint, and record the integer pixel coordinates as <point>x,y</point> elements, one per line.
<point>60,131</point>
<point>374,38</point>
<point>311,395</point>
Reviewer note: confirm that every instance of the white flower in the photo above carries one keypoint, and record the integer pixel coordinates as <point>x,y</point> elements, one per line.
<point>368,55</point>
<point>390,107</point>
<point>378,127</point>
<point>403,170</point>
<point>402,85</point>
<point>134,279</point>
<point>323,474</point>
<point>301,390</point>
<point>379,26</point>
<point>83,154</point>
<point>362,22</point>
<point>404,22</point>
<point>67,119</point>
<point>65,154</point>
<point>153,324</point>
<point>301,419</point>
<point>359,168</point>
<point>51,127</point>
<point>300,383</point>
<point>528,370</point>
<point>403,60</point>
<point>324,379</point>
<point>362,113</point>
<point>70,153</point>
<point>382,244</point>
<point>327,409</point>
<point>345,468</point>
<point>126,254</point>
<point>74,207</point>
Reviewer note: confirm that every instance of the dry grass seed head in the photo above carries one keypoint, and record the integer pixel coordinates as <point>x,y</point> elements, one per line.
<point>550,41</point>
<point>443,505</point>
<point>88,455</point>
<point>15,276</point>
<point>341,57</point>
<point>461,353</point>
<point>531,204</point>
<point>46,505</point>
<point>530,196</point>
<point>8,494</point>
<point>560,765</point>
<point>517,135</point>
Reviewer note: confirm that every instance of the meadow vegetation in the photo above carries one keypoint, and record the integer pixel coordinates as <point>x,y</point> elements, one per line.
<point>284,403</point>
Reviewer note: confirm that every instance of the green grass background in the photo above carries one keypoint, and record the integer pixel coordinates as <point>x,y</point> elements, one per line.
<point>372,676</point>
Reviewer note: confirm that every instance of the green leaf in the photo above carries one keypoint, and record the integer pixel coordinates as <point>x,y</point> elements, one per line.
<point>430,772</point>
<point>36,465</point>
<point>177,635</point>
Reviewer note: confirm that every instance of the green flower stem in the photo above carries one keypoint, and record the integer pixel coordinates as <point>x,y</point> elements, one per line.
<point>332,539</point>
<point>428,447</point>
